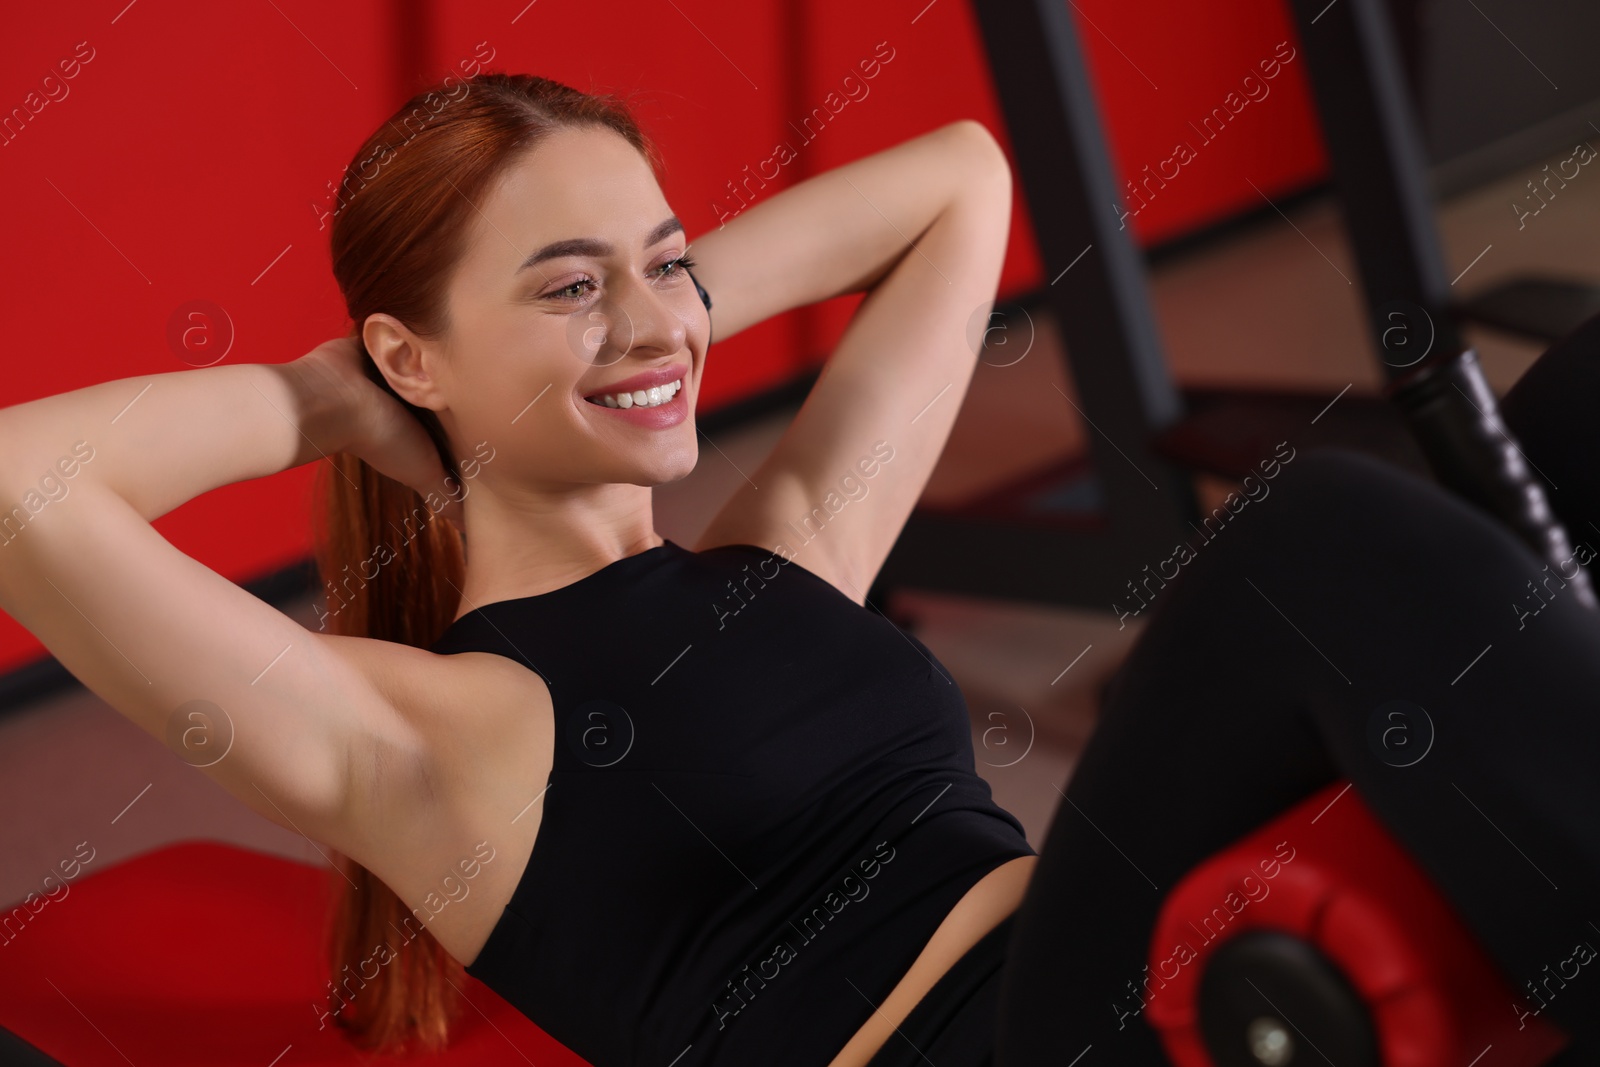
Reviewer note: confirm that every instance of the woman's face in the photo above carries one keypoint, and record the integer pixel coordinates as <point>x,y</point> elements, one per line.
<point>568,291</point>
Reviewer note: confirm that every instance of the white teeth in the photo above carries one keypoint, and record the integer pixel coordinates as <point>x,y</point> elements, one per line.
<point>643,398</point>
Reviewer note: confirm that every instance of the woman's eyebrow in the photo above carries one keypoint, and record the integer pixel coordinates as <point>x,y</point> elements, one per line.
<point>593,246</point>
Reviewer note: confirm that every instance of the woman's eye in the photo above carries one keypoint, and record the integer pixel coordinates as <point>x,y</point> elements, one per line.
<point>576,290</point>
<point>566,292</point>
<point>683,263</point>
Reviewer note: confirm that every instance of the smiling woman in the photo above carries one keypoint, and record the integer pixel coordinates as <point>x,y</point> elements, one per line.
<point>663,794</point>
<point>756,835</point>
<point>482,340</point>
<point>584,356</point>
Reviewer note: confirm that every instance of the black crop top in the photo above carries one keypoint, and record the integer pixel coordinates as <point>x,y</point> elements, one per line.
<point>762,804</point>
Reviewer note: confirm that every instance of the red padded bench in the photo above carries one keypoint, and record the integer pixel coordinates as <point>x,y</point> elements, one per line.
<point>208,954</point>
<point>1320,921</point>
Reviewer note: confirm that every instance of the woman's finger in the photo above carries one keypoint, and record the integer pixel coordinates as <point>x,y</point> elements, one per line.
<point>397,445</point>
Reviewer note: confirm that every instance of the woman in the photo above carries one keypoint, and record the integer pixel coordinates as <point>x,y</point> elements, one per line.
<point>759,834</point>
<point>527,351</point>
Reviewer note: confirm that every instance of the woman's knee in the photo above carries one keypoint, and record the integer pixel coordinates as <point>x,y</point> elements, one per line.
<point>1378,515</point>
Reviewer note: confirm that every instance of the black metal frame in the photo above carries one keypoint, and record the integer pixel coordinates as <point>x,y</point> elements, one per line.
<point>1375,151</point>
<point>1102,310</point>
<point>1142,439</point>
<point>1380,171</point>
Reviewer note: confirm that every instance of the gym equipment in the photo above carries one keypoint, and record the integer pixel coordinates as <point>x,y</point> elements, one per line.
<point>1358,947</point>
<point>1356,941</point>
<point>1369,126</point>
<point>1348,952</point>
<point>1129,498</point>
<point>201,952</point>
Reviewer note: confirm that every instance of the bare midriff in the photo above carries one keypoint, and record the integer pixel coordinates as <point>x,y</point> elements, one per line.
<point>982,908</point>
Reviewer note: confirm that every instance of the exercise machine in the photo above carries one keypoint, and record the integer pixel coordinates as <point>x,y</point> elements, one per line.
<point>1357,958</point>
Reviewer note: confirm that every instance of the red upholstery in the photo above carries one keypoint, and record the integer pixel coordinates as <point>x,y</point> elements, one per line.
<point>204,953</point>
<point>1328,871</point>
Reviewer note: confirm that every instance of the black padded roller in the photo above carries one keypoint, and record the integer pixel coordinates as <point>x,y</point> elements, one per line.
<point>1456,421</point>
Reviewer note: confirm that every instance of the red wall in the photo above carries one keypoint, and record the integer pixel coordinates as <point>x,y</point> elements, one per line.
<point>187,154</point>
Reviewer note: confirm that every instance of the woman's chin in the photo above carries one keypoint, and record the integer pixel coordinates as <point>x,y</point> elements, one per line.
<point>662,467</point>
<point>679,469</point>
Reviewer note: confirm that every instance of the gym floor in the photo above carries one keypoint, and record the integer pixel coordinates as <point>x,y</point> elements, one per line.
<point>1269,304</point>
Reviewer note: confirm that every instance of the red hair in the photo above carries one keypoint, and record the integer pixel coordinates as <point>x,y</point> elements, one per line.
<point>400,223</point>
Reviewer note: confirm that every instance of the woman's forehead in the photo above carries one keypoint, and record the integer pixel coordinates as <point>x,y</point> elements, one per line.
<point>576,183</point>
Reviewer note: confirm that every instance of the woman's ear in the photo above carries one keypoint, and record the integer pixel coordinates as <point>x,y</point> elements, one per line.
<point>403,359</point>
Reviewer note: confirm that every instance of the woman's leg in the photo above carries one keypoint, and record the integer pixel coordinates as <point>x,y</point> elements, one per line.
<point>1351,584</point>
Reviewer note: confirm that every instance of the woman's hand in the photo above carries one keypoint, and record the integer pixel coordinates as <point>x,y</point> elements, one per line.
<point>344,411</point>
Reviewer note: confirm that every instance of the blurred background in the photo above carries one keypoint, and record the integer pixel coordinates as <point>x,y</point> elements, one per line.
<point>166,205</point>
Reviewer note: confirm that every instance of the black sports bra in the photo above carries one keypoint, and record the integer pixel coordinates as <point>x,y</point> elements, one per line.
<point>763,802</point>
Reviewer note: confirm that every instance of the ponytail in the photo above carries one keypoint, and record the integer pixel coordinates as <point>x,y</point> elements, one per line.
<point>390,569</point>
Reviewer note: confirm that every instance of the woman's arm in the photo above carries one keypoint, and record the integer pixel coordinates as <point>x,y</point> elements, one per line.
<point>925,225</point>
<point>835,233</point>
<point>149,629</point>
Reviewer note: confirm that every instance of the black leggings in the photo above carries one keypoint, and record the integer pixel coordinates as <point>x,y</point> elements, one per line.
<point>1350,585</point>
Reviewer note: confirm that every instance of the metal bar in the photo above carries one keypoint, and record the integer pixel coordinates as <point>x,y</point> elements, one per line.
<point>1379,165</point>
<point>1097,294</point>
